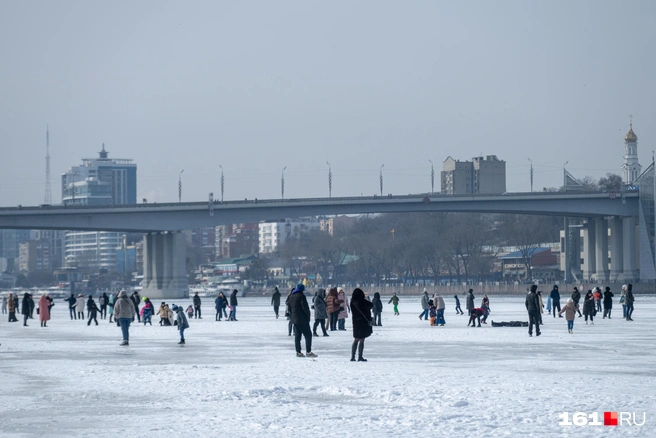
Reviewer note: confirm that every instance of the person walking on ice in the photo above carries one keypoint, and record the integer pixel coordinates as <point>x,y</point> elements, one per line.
<point>395,302</point>
<point>424,306</point>
<point>275,301</point>
<point>181,321</point>
<point>458,308</point>
<point>124,314</point>
<point>570,314</point>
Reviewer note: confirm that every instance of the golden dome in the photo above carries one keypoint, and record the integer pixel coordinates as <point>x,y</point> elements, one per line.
<point>630,137</point>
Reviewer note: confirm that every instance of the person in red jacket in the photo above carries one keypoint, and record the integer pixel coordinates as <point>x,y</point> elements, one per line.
<point>475,315</point>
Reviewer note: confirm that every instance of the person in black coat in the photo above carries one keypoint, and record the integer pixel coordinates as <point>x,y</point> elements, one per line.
<point>136,300</point>
<point>288,313</point>
<point>361,313</point>
<point>458,309</point>
<point>555,300</point>
<point>92,310</point>
<point>30,303</point>
<point>377,309</point>
<point>608,302</point>
<point>196,300</point>
<point>629,300</point>
<point>275,301</point>
<point>589,308</point>
<point>300,317</point>
<point>233,306</point>
<point>25,308</point>
<point>71,306</point>
<point>576,297</point>
<point>104,301</point>
<point>533,307</point>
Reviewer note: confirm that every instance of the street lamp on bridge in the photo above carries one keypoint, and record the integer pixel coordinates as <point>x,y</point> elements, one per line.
<point>330,181</point>
<point>222,181</point>
<point>531,174</point>
<point>180,186</point>
<point>282,183</point>
<point>381,180</point>
<point>432,177</point>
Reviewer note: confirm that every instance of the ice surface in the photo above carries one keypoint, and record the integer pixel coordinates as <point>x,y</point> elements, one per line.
<point>243,379</point>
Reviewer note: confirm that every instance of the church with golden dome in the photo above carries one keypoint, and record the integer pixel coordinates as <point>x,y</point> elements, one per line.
<point>631,167</point>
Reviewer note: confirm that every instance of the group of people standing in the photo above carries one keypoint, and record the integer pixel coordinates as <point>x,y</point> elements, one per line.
<point>592,303</point>
<point>12,303</point>
<point>220,304</point>
<point>299,317</point>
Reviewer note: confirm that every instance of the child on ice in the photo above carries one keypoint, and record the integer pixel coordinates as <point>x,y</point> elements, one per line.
<point>570,313</point>
<point>181,321</point>
<point>432,312</point>
<point>190,311</point>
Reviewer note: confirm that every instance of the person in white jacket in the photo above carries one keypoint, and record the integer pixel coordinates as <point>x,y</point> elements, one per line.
<point>79,306</point>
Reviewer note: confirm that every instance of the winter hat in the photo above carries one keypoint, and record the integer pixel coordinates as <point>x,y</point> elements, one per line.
<point>174,307</point>
<point>534,288</point>
<point>143,298</point>
<point>300,287</point>
<point>607,289</point>
<point>471,290</point>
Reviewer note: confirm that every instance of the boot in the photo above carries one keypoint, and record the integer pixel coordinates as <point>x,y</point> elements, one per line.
<point>360,350</point>
<point>354,347</point>
<point>181,342</point>
<point>315,334</point>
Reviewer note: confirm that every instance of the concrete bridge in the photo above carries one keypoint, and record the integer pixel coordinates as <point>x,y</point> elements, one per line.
<point>164,271</point>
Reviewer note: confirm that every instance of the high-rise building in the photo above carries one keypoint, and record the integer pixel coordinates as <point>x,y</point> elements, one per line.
<point>274,234</point>
<point>481,175</point>
<point>98,181</point>
<point>237,240</point>
<point>35,256</point>
<point>10,241</point>
<point>631,167</point>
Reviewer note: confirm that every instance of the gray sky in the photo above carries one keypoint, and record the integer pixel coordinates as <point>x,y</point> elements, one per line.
<point>257,86</point>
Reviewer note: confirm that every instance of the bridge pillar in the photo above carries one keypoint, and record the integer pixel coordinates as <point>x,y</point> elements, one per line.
<point>630,251</point>
<point>601,256</point>
<point>164,266</point>
<point>616,249</point>
<point>589,264</point>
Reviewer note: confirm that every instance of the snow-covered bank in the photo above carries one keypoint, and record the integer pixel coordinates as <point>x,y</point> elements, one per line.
<point>243,378</point>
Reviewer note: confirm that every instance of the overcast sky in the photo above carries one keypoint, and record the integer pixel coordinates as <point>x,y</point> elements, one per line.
<point>257,86</point>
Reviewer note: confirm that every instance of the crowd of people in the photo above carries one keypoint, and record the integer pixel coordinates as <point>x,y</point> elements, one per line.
<point>330,309</point>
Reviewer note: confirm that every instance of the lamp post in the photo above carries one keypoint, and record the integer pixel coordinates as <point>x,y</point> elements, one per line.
<point>531,174</point>
<point>222,181</point>
<point>180,186</point>
<point>330,181</point>
<point>432,177</point>
<point>381,180</point>
<point>282,183</point>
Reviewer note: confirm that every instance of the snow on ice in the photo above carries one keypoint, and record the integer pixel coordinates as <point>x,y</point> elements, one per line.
<point>243,379</point>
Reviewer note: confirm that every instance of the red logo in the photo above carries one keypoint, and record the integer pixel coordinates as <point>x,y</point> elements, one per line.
<point>610,418</point>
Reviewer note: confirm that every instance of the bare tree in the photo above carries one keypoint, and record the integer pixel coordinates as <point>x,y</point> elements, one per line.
<point>526,233</point>
<point>610,183</point>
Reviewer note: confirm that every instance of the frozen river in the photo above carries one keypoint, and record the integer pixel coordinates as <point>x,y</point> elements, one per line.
<point>243,379</point>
